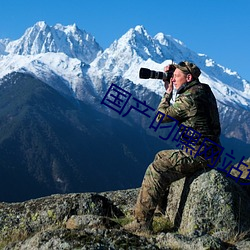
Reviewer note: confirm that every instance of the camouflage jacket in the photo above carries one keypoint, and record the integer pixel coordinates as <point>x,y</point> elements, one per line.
<point>195,107</point>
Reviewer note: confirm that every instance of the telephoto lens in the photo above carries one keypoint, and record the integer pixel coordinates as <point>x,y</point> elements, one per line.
<point>145,73</point>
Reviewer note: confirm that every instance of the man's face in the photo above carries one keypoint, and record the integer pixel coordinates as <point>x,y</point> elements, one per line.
<point>179,78</point>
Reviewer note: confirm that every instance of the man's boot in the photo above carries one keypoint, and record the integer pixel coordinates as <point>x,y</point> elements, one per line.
<point>139,226</point>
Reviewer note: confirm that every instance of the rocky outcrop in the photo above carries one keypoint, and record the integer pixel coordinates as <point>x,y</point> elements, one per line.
<point>71,221</point>
<point>209,203</point>
<point>206,211</point>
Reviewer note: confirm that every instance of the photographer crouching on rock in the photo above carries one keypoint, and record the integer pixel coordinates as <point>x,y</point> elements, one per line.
<point>194,108</point>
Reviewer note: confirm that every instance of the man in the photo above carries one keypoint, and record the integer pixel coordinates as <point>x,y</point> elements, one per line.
<point>194,108</point>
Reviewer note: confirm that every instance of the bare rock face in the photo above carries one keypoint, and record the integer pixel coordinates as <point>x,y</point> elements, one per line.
<point>209,203</point>
<point>19,221</point>
<point>207,211</point>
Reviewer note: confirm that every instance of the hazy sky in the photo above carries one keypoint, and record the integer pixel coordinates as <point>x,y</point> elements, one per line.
<point>217,28</point>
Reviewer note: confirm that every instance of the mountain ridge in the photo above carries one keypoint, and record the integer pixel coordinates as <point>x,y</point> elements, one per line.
<point>55,144</point>
<point>136,48</point>
<point>42,38</point>
<point>61,138</point>
<point>123,59</point>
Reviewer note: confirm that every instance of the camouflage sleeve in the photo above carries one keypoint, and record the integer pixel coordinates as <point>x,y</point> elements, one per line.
<point>182,108</point>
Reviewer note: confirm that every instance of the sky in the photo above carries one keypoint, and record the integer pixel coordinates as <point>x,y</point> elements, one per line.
<point>218,28</point>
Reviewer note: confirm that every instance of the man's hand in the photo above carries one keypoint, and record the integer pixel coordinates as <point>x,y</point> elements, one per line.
<point>168,85</point>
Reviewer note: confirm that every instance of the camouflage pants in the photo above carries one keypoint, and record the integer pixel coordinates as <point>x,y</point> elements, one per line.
<point>167,167</point>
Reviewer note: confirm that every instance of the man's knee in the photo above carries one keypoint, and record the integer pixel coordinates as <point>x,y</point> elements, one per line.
<point>163,154</point>
<point>164,160</point>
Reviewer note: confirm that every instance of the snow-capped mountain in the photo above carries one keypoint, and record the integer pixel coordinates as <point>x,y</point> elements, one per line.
<point>50,54</point>
<point>49,137</point>
<point>71,61</point>
<point>64,73</point>
<point>137,49</point>
<point>74,56</point>
<point>41,38</point>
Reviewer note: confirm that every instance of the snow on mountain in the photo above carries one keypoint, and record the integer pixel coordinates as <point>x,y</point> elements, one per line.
<point>57,55</point>
<point>124,56</point>
<point>42,38</point>
<point>137,49</point>
<point>63,73</point>
<point>72,62</point>
<point>72,55</point>
<point>3,43</point>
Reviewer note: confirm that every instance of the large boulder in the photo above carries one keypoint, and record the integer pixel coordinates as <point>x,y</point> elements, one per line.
<point>19,221</point>
<point>209,203</point>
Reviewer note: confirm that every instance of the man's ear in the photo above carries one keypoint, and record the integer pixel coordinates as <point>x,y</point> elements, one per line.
<point>189,77</point>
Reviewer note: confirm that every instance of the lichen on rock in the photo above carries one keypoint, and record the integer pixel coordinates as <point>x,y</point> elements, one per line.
<point>209,203</point>
<point>205,211</point>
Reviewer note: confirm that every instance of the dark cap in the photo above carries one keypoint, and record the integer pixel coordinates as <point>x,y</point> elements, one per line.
<point>189,68</point>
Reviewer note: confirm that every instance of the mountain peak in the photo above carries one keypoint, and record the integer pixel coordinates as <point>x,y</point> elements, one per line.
<point>42,38</point>
<point>41,24</point>
<point>166,40</point>
<point>69,28</point>
<point>140,29</point>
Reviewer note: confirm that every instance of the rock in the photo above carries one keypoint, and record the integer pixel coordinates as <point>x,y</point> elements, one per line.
<point>208,210</point>
<point>243,245</point>
<point>124,199</point>
<point>178,241</point>
<point>85,239</point>
<point>209,203</point>
<point>90,221</point>
<point>20,220</point>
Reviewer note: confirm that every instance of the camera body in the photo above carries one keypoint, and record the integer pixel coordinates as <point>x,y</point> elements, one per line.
<point>146,73</point>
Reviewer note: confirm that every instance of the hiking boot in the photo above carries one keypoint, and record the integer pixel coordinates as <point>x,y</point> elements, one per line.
<point>140,227</point>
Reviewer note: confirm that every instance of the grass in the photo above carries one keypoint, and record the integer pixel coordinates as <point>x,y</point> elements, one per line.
<point>160,223</point>
<point>123,220</point>
<point>238,237</point>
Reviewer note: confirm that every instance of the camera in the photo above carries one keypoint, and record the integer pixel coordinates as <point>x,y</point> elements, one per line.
<point>146,73</point>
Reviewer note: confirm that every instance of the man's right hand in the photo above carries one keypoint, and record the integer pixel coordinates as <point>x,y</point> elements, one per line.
<point>168,85</point>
